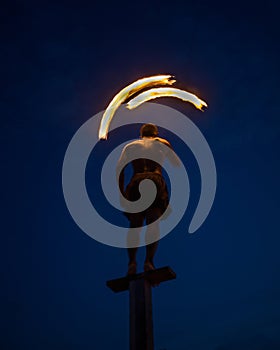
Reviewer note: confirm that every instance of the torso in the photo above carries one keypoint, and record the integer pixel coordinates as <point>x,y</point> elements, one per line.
<point>147,148</point>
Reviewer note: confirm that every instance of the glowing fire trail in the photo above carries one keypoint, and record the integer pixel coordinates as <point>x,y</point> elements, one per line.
<point>165,92</point>
<point>125,93</point>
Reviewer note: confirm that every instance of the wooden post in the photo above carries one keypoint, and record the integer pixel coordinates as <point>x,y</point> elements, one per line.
<point>140,303</point>
<point>140,314</point>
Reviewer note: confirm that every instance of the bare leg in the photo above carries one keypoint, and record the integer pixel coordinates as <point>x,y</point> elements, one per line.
<point>133,237</point>
<point>153,233</point>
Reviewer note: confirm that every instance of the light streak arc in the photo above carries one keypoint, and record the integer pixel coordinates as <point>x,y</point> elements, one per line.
<point>124,94</point>
<point>165,92</point>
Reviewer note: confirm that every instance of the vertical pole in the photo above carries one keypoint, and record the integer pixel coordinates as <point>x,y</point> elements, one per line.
<point>140,303</point>
<point>141,318</point>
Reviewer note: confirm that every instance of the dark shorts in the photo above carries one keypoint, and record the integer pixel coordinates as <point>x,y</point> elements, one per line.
<point>162,198</point>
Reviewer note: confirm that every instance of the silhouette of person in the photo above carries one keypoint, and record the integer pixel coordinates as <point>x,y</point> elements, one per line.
<point>149,144</point>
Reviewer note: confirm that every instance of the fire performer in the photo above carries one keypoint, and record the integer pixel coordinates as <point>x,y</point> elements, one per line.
<point>143,168</point>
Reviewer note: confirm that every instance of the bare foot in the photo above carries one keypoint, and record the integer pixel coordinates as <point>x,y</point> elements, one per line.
<point>148,266</point>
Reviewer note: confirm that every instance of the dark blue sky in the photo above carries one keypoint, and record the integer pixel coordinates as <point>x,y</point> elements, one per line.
<point>61,63</point>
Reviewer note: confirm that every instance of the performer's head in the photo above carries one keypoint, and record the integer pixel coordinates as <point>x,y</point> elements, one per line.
<point>149,130</point>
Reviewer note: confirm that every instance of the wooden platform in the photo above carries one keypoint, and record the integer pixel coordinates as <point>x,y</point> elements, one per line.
<point>155,277</point>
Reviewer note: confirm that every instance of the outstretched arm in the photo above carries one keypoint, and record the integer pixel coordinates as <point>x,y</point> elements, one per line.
<point>120,170</point>
<point>121,182</point>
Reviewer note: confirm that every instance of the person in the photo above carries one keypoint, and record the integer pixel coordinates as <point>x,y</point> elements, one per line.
<point>149,145</point>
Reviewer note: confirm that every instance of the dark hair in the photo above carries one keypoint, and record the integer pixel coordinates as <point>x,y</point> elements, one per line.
<point>149,130</point>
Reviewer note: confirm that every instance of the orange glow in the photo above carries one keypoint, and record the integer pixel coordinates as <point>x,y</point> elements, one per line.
<point>124,94</point>
<point>165,92</point>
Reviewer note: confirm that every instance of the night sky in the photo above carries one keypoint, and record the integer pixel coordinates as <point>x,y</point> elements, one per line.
<point>61,63</point>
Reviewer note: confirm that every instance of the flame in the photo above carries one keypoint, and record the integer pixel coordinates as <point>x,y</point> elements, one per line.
<point>124,94</point>
<point>165,92</point>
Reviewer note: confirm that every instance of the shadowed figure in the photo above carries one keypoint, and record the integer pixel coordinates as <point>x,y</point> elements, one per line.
<point>149,145</point>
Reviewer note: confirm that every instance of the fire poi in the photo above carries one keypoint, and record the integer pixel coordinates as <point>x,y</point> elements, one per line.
<point>147,95</point>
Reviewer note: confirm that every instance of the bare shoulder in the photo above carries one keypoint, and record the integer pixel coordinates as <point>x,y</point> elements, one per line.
<point>164,141</point>
<point>132,144</point>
